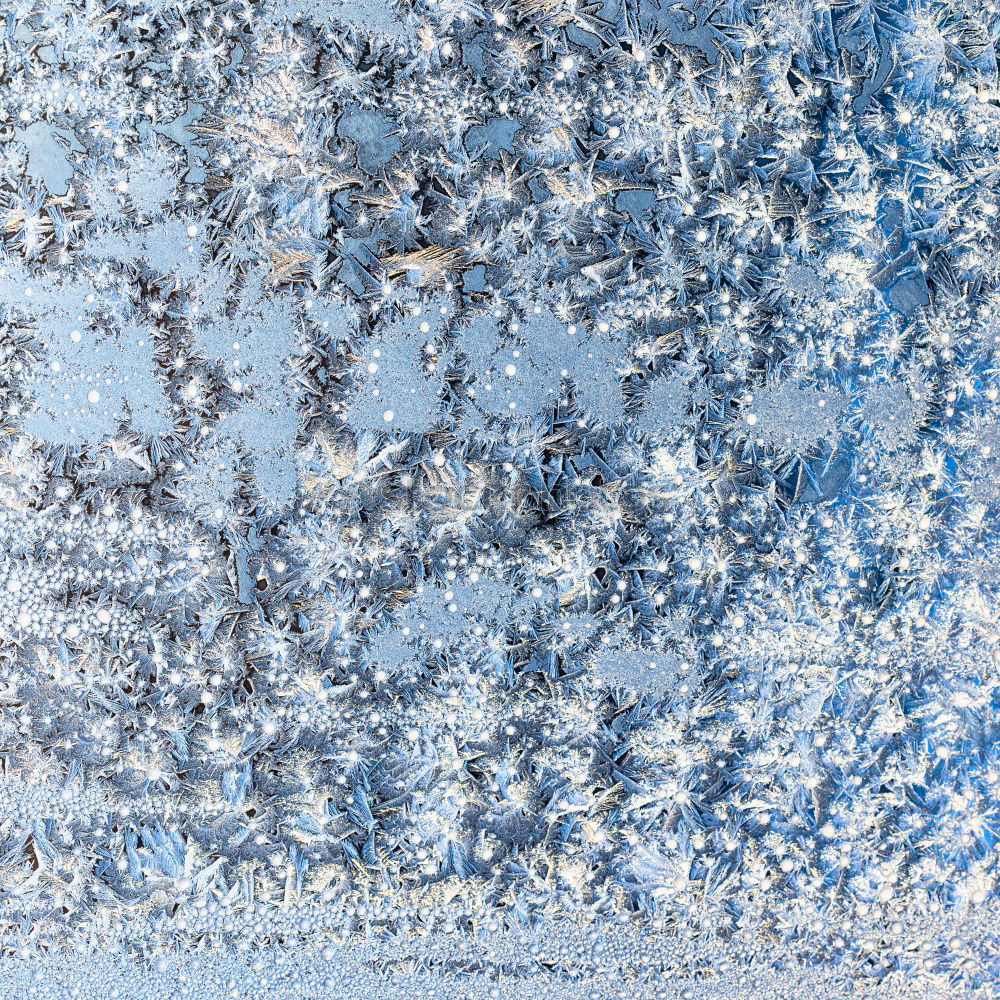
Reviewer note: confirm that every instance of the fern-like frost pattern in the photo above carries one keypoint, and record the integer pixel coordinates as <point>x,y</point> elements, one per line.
<point>499,500</point>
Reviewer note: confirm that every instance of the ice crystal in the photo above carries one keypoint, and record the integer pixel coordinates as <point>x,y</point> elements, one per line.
<point>894,413</point>
<point>48,162</point>
<point>797,418</point>
<point>91,383</point>
<point>643,670</point>
<point>499,501</point>
<point>398,384</point>
<point>666,406</point>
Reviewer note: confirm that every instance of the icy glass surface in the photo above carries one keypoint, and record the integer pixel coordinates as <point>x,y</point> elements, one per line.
<point>499,501</point>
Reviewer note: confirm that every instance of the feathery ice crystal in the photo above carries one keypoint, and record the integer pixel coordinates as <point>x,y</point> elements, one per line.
<point>499,500</point>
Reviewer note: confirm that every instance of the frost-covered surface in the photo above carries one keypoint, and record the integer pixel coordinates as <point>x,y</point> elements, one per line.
<point>499,501</point>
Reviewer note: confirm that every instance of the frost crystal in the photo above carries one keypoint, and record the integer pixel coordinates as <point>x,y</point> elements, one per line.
<point>797,417</point>
<point>499,501</point>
